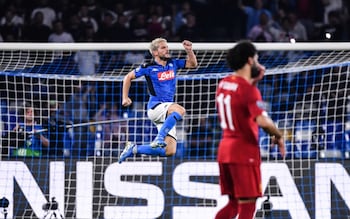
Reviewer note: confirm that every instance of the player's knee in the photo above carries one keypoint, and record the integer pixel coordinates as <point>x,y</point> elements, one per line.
<point>177,108</point>
<point>170,151</point>
<point>181,111</point>
<point>171,148</point>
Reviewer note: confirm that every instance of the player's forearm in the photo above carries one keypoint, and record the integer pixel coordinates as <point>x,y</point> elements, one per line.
<point>126,86</point>
<point>268,125</point>
<point>273,131</point>
<point>126,101</point>
<point>191,61</point>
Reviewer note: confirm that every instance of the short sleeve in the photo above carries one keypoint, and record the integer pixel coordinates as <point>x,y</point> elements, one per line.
<point>180,63</point>
<point>140,71</point>
<point>256,105</point>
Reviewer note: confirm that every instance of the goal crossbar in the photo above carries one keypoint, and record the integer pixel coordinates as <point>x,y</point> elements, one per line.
<point>306,46</point>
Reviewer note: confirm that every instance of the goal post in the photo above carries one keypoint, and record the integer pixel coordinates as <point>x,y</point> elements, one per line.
<point>306,89</point>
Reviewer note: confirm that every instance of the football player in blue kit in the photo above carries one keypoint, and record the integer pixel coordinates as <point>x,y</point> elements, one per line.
<point>160,75</point>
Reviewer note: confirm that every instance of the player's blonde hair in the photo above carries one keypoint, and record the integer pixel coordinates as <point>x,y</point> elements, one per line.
<point>155,44</point>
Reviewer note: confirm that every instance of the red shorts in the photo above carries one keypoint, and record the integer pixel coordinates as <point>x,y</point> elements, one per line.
<point>240,180</point>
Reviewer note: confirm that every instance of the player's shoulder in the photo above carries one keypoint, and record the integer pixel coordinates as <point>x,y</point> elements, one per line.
<point>178,62</point>
<point>231,79</point>
<point>148,64</point>
<point>145,67</point>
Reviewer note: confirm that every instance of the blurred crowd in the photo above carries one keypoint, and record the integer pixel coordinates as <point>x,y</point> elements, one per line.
<point>196,20</point>
<point>142,21</point>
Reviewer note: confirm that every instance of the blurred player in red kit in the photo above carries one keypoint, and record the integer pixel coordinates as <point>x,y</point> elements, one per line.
<point>242,111</point>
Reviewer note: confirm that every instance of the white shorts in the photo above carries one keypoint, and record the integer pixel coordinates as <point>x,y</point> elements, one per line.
<point>158,116</point>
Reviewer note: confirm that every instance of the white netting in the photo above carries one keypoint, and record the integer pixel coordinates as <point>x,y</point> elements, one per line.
<point>306,87</point>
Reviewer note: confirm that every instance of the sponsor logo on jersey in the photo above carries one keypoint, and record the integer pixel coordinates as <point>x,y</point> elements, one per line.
<point>166,75</point>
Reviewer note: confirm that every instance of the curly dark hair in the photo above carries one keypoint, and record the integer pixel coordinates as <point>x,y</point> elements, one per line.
<point>238,56</point>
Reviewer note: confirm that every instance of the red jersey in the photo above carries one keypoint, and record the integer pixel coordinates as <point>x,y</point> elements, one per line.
<point>238,104</point>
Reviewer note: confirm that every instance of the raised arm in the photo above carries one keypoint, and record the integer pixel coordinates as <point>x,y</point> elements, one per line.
<point>126,101</point>
<point>191,60</point>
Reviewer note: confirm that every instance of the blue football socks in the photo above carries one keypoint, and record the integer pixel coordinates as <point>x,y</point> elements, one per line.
<point>148,150</point>
<point>169,123</point>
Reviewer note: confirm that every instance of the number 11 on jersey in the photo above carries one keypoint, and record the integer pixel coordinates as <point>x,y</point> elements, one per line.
<point>225,111</point>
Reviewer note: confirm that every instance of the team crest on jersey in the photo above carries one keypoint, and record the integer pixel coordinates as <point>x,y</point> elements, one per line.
<point>166,75</point>
<point>262,105</point>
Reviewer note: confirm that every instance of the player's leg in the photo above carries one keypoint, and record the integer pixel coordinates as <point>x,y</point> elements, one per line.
<point>171,143</point>
<point>247,180</point>
<point>227,188</point>
<point>169,150</point>
<point>131,150</point>
<point>175,112</point>
<point>229,210</point>
<point>158,117</point>
<point>246,208</point>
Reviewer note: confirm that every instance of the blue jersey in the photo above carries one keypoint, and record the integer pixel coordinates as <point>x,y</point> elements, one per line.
<point>161,80</point>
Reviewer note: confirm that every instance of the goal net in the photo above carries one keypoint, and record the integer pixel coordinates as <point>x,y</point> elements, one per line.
<point>49,94</point>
